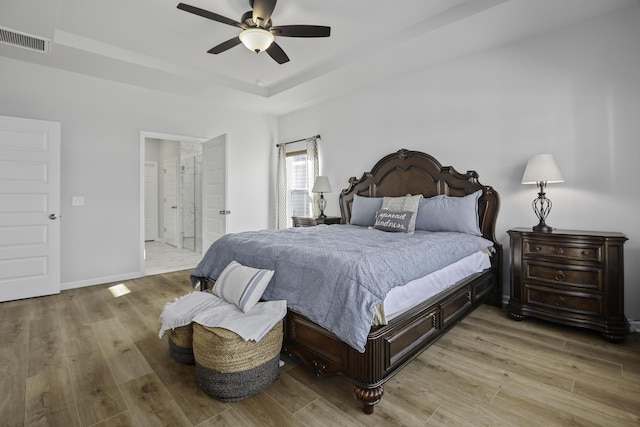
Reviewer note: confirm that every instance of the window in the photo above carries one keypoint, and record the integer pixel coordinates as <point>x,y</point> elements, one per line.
<point>296,169</point>
<point>298,182</point>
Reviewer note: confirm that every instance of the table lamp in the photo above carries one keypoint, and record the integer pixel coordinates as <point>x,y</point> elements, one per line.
<point>321,186</point>
<point>541,170</point>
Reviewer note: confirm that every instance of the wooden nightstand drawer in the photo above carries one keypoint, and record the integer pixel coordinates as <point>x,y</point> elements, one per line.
<point>301,221</point>
<point>564,276</point>
<point>570,277</point>
<point>533,248</point>
<point>330,220</point>
<point>587,305</point>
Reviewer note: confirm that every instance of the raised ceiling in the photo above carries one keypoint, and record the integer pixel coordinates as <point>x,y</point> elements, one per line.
<point>151,43</point>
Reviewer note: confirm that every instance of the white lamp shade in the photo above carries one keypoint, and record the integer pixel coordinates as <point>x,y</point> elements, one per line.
<point>256,39</point>
<point>541,168</point>
<point>321,185</point>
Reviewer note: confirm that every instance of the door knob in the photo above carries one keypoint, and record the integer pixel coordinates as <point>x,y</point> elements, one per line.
<point>224,212</point>
<point>53,216</point>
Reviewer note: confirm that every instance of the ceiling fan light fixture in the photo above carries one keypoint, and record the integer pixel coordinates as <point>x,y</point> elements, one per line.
<point>258,33</point>
<point>256,39</point>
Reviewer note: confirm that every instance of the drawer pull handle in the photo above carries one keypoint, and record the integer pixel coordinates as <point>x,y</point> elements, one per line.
<point>560,276</point>
<point>561,251</point>
<point>561,302</point>
<point>586,253</point>
<point>536,249</point>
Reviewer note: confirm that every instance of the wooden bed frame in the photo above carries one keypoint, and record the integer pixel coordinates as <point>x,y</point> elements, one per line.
<point>392,346</point>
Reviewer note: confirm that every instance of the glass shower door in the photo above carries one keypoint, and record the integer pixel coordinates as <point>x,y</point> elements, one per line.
<point>192,203</point>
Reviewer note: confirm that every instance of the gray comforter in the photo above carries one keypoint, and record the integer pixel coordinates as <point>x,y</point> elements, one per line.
<point>335,275</point>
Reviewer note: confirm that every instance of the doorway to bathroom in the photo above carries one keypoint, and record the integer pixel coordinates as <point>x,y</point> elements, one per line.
<point>172,204</point>
<point>184,205</point>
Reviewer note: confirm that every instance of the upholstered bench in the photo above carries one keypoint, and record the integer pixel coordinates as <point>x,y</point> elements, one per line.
<point>231,369</point>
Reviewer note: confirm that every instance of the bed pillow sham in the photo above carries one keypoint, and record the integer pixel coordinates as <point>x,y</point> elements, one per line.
<point>241,285</point>
<point>363,210</point>
<point>393,221</point>
<point>406,203</point>
<point>446,213</point>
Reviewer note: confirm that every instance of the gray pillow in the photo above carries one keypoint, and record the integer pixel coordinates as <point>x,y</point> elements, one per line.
<point>363,210</point>
<point>404,203</point>
<point>445,213</point>
<point>395,221</point>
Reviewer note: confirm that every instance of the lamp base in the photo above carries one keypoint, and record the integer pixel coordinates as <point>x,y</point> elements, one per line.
<point>322,203</point>
<point>542,227</point>
<point>542,206</point>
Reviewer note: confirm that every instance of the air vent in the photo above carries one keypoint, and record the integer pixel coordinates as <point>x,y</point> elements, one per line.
<point>24,40</point>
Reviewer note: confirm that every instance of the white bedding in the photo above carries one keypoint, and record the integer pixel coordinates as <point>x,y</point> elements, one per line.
<point>413,293</point>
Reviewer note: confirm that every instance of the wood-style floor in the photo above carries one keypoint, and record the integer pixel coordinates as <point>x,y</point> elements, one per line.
<point>87,358</point>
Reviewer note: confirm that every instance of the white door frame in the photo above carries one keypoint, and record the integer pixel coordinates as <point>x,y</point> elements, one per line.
<point>156,135</point>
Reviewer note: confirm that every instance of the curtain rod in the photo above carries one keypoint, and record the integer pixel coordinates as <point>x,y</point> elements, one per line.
<point>298,140</point>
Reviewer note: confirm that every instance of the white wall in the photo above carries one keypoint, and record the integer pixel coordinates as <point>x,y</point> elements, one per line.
<point>100,159</point>
<point>574,93</point>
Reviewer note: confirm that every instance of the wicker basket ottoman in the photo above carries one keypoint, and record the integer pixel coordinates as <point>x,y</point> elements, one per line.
<point>181,344</point>
<point>231,369</point>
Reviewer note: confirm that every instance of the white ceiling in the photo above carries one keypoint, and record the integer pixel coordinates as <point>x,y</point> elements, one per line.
<point>151,43</point>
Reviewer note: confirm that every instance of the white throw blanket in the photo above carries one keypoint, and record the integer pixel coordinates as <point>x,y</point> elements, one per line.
<point>211,311</point>
<point>182,310</point>
<point>252,325</point>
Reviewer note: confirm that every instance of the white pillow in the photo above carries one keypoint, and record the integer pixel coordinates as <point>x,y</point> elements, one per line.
<point>242,285</point>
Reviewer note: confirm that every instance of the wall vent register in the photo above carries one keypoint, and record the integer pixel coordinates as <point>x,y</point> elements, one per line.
<point>24,40</point>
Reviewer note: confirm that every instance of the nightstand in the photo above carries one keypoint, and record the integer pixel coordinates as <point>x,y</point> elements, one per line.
<point>300,221</point>
<point>569,277</point>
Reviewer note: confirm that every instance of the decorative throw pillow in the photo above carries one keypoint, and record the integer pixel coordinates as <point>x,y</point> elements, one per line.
<point>387,220</point>
<point>446,213</point>
<point>242,285</point>
<point>403,204</point>
<point>363,210</point>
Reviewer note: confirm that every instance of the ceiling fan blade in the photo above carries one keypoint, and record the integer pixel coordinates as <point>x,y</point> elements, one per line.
<point>276,52</point>
<point>225,46</point>
<point>262,10</point>
<point>210,15</point>
<point>301,31</point>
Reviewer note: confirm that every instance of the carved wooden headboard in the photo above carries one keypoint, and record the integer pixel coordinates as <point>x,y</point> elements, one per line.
<point>414,172</point>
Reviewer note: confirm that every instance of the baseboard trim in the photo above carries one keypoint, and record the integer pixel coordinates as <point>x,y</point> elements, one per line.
<point>100,280</point>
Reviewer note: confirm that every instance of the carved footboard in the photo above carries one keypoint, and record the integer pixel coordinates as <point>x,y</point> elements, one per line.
<point>389,347</point>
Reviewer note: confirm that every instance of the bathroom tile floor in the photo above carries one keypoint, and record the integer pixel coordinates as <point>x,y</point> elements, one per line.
<point>163,258</point>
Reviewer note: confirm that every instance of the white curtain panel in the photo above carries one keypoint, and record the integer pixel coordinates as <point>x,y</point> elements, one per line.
<point>281,189</point>
<point>313,171</point>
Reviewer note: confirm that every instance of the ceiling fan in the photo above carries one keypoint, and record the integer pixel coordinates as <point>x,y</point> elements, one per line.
<point>258,34</point>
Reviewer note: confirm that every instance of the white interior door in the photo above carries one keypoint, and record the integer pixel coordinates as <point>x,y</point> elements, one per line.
<point>214,188</point>
<point>171,201</point>
<point>150,200</point>
<point>29,208</point>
